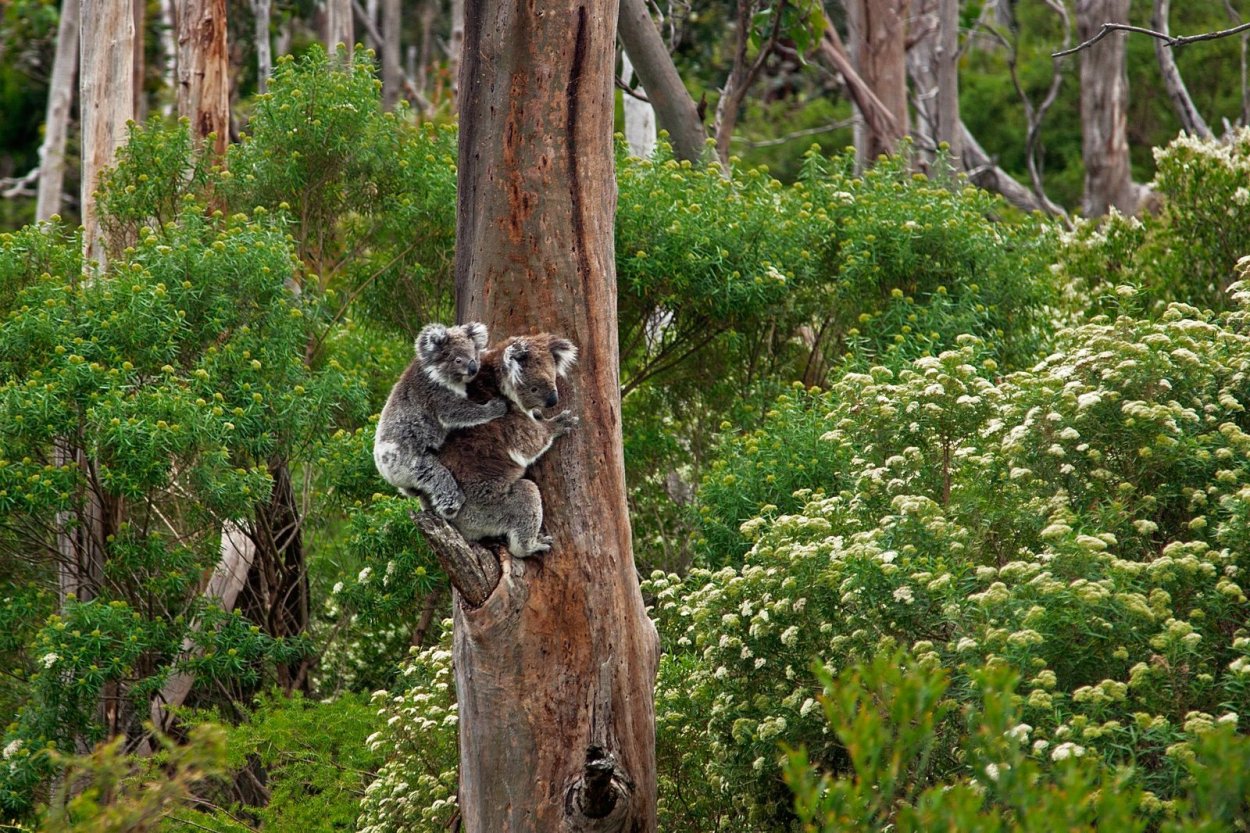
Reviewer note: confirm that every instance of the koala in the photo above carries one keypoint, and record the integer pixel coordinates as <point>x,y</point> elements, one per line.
<point>430,400</point>
<point>489,460</point>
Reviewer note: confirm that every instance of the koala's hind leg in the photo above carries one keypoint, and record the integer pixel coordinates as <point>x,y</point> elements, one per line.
<point>522,512</point>
<point>420,475</point>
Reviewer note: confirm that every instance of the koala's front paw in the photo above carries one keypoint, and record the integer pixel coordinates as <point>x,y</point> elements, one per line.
<point>449,506</point>
<point>565,421</point>
<point>541,544</point>
<point>497,407</point>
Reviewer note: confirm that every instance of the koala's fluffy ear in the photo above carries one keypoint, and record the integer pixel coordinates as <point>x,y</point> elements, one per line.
<point>565,355</point>
<point>431,337</point>
<point>476,330</point>
<point>513,355</point>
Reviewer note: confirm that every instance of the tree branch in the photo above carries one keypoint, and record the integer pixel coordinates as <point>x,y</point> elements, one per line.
<point>1108,28</point>
<point>474,570</point>
<point>1191,120</point>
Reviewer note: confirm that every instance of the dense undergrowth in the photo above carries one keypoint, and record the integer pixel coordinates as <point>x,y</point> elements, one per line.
<point>945,512</point>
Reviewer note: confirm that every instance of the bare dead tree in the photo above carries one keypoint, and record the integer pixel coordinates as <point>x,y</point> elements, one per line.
<point>1191,120</point>
<point>743,73</point>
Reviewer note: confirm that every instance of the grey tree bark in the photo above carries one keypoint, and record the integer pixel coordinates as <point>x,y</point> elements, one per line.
<point>338,27</point>
<point>261,12</point>
<point>106,102</point>
<point>1191,120</point>
<point>392,68</point>
<point>1104,110</point>
<point>878,41</point>
<point>56,122</point>
<point>204,70</point>
<point>640,133</point>
<point>674,108</point>
<point>555,667</point>
<point>931,63</point>
<point>140,65</point>
<point>876,117</point>
<point>455,49</point>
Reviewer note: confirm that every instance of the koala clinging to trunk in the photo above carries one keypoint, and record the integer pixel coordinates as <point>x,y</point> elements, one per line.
<point>489,460</point>
<point>430,400</point>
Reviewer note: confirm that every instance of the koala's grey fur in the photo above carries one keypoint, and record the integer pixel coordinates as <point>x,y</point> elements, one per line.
<point>489,460</point>
<point>430,400</point>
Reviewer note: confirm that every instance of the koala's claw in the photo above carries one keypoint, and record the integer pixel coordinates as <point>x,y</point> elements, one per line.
<point>449,508</point>
<point>542,544</point>
<point>566,421</point>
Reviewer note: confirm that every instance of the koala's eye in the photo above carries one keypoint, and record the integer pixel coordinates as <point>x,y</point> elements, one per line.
<point>534,389</point>
<point>459,361</point>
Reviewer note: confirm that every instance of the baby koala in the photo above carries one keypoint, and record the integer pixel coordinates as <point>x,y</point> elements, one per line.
<point>489,460</point>
<point>429,400</point>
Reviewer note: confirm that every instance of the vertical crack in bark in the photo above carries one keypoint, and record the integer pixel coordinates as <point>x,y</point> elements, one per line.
<point>575,184</point>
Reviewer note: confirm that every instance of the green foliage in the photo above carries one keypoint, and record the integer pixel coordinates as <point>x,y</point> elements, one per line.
<point>315,762</point>
<point>1081,522</point>
<point>887,712</point>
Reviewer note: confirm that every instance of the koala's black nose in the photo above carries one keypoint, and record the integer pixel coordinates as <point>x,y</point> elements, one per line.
<point>552,399</point>
<point>473,366</point>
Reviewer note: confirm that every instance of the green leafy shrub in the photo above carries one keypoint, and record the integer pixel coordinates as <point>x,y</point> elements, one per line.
<point>1082,522</point>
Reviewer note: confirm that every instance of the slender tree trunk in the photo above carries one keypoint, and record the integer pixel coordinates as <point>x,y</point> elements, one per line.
<point>1191,120</point>
<point>419,57</point>
<point>56,123</point>
<point>878,34</point>
<point>455,49</point>
<point>949,128</point>
<point>1104,110</point>
<point>674,108</point>
<point>877,118</point>
<point>371,10</point>
<point>169,52</point>
<point>935,82</point>
<point>140,68</point>
<point>555,668</point>
<point>640,132</point>
<point>339,27</point>
<point>106,102</point>
<point>264,54</point>
<point>204,70</point>
<point>392,69</point>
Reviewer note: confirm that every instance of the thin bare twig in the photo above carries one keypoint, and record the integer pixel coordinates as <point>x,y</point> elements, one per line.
<point>1108,28</point>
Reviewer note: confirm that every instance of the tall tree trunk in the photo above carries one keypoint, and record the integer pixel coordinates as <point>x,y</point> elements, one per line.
<point>338,27</point>
<point>56,123</point>
<point>204,70</point>
<point>878,37</point>
<point>106,102</point>
<point>419,57</point>
<point>555,669</point>
<point>931,65</point>
<point>876,117</point>
<point>169,53</point>
<point>1191,120</point>
<point>264,51</point>
<point>392,69</point>
<point>640,132</point>
<point>140,68</point>
<point>949,129</point>
<point>674,108</point>
<point>455,49</point>
<point>1104,110</point>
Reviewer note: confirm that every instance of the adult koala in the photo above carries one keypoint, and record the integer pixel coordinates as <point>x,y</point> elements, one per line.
<point>489,460</point>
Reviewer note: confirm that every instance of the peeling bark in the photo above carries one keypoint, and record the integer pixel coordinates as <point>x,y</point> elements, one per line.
<point>1104,110</point>
<point>555,669</point>
<point>338,28</point>
<point>878,119</point>
<point>106,102</point>
<point>878,37</point>
<point>56,123</point>
<point>204,71</point>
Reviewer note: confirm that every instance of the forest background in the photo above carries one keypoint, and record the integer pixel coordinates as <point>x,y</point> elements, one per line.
<point>871,404</point>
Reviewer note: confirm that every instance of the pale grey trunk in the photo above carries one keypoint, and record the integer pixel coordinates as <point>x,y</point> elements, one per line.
<point>371,10</point>
<point>931,63</point>
<point>878,39</point>
<point>674,108</point>
<point>228,578</point>
<point>419,57</point>
<point>106,102</point>
<point>1186,111</point>
<point>874,115</point>
<point>949,129</point>
<point>140,66</point>
<point>640,132</point>
<point>455,48</point>
<point>56,123</point>
<point>169,54</point>
<point>392,69</point>
<point>1104,110</point>
<point>338,27</point>
<point>264,54</point>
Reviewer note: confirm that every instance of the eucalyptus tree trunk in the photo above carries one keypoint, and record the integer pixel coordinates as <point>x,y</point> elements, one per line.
<point>640,132</point>
<point>337,27</point>
<point>204,70</point>
<point>140,66</point>
<point>555,656</point>
<point>1104,110</point>
<point>392,69</point>
<point>667,93</point>
<point>455,48</point>
<point>878,39</point>
<point>56,123</point>
<point>261,11</point>
<point>106,102</point>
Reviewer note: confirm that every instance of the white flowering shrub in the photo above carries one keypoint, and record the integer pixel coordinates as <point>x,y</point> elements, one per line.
<point>1187,251</point>
<point>415,790</point>
<point>1085,523</point>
